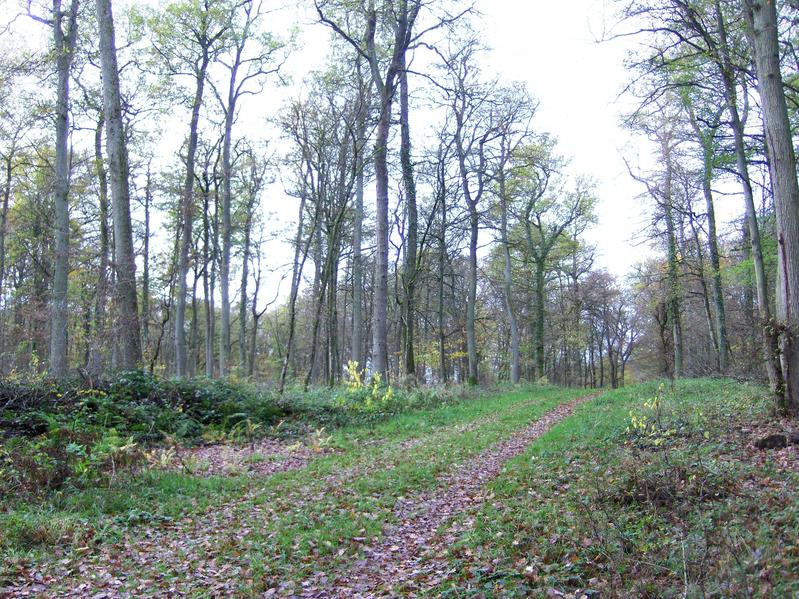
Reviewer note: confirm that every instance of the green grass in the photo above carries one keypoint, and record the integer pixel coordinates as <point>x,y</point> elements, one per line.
<point>295,520</point>
<point>679,506</point>
<point>689,510</point>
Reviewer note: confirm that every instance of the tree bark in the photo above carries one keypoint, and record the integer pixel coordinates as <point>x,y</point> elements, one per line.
<point>145,279</point>
<point>187,216</point>
<point>768,340</point>
<point>64,42</point>
<point>442,260</point>
<point>9,171</point>
<point>507,286</point>
<point>245,275</point>
<point>472,199</point>
<point>539,314</point>
<point>706,143</point>
<point>762,18</point>
<point>674,291</point>
<point>357,241</point>
<point>409,185</point>
<point>227,237</point>
<point>300,255</point>
<point>94,361</point>
<point>128,337</point>
<point>380,316</point>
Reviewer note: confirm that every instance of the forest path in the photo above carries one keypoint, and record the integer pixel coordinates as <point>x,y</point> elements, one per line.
<point>410,558</point>
<point>349,523</point>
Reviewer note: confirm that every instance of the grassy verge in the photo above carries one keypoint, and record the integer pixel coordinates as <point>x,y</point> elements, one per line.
<point>642,493</point>
<point>279,527</point>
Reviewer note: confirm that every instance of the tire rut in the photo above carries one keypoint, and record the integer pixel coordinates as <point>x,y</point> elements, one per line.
<point>406,560</point>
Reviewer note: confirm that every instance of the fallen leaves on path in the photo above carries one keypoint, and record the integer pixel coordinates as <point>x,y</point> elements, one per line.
<point>208,552</point>
<point>410,558</point>
<point>261,458</point>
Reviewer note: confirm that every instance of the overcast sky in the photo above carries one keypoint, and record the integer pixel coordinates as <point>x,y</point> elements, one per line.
<point>554,48</point>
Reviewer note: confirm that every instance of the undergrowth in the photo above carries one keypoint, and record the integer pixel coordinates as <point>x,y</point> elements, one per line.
<point>645,492</point>
<point>379,460</point>
<point>79,434</point>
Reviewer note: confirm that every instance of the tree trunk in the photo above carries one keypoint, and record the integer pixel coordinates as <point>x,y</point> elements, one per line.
<point>409,185</point>
<point>762,16</point>
<point>471,275</point>
<point>674,290</point>
<point>333,359</point>
<point>187,215</point>
<point>296,277</point>
<point>227,199</point>
<point>442,258</point>
<point>64,42</point>
<point>320,302</point>
<point>507,286</point>
<point>245,275</point>
<point>9,171</point>
<point>256,316</point>
<point>212,277</point>
<point>539,311</point>
<point>357,256</point>
<point>706,143</point>
<point>209,337</point>
<point>769,341</point>
<point>94,361</point>
<point>145,279</point>
<point>194,334</point>
<point>751,330</point>
<point>128,337</point>
<point>471,295</point>
<point>380,316</point>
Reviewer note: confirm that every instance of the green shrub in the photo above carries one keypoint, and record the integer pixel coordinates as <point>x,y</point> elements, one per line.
<point>364,403</point>
<point>72,435</point>
<point>64,456</point>
<point>148,407</point>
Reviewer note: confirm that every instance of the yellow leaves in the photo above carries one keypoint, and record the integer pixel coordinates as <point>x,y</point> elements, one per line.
<point>354,376</point>
<point>319,441</point>
<point>160,458</point>
<point>650,423</point>
<point>361,396</point>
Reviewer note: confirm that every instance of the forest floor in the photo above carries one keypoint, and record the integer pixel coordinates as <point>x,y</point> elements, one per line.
<point>644,491</point>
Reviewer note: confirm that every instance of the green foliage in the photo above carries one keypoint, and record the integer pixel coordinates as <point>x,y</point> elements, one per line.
<point>64,456</point>
<point>67,435</point>
<point>387,459</point>
<point>645,492</point>
<point>365,402</point>
<point>134,403</point>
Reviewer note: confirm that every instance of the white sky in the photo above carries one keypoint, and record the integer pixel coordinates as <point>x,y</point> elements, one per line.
<point>553,48</point>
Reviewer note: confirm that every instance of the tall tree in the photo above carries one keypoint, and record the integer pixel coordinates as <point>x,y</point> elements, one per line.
<point>254,180</point>
<point>544,220</point>
<point>514,114</point>
<point>396,18</point>
<point>393,21</point>
<point>65,37</point>
<point>686,32</point>
<point>251,56</point>
<point>127,312</point>
<point>187,38</point>
<point>357,344</point>
<point>469,101</point>
<point>410,269</point>
<point>762,18</point>
<point>705,128</point>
